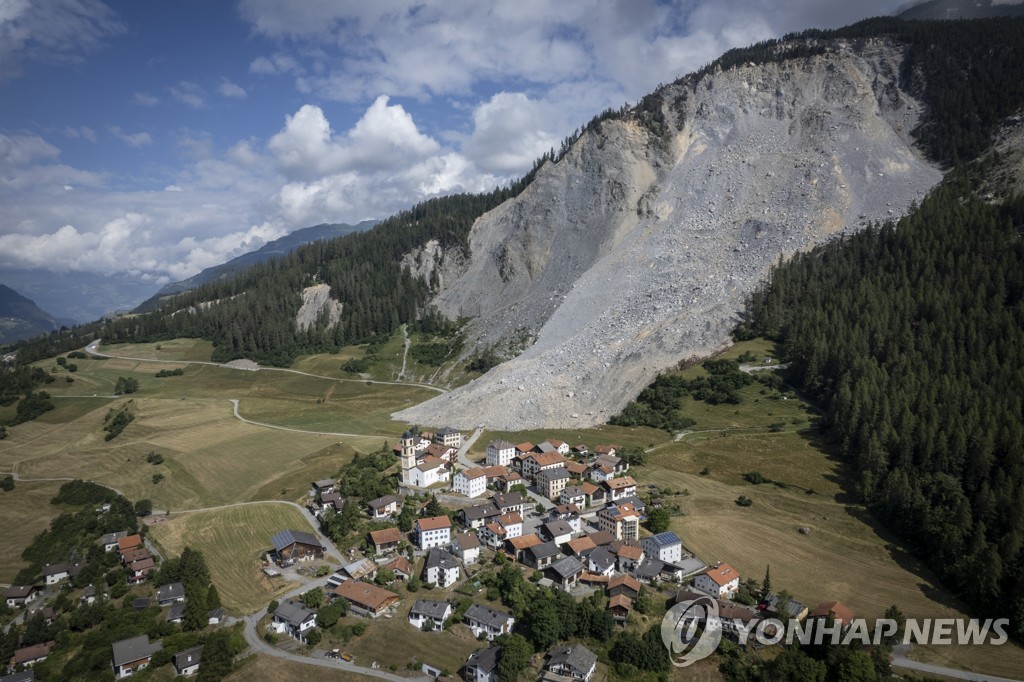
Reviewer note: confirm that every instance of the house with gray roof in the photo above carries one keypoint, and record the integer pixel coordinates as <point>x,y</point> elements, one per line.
<point>293,619</point>
<point>168,594</point>
<point>176,614</point>
<point>429,614</point>
<point>480,515</point>
<point>441,568</point>
<point>297,545</point>
<point>487,621</point>
<point>133,654</point>
<point>186,662</point>
<point>565,573</point>
<point>601,561</point>
<point>558,531</point>
<point>541,556</point>
<point>509,503</point>
<point>482,666</point>
<point>575,662</point>
<point>109,541</point>
<point>384,507</point>
<point>665,547</point>
<point>19,595</point>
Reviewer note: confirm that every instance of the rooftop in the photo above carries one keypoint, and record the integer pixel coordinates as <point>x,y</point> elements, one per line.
<point>437,610</point>
<point>286,538</point>
<point>134,649</point>
<point>433,523</point>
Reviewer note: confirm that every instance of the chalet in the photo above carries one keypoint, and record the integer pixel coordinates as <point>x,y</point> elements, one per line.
<point>605,450</point>
<point>294,619</point>
<point>20,595</point>
<point>30,655</point>
<point>168,594</point>
<point>478,516</point>
<point>401,567</point>
<point>620,606</point>
<point>386,506</point>
<point>129,542</point>
<point>504,482</point>
<point>133,654</point>
<point>579,450</point>
<point>534,463</point>
<point>440,451</point>
<point>176,614</point>
<point>560,447</point>
<point>630,555</point>
<point>601,562</point>
<point>565,572</point>
<point>834,611</point>
<point>665,547</point>
<point>574,662</point>
<point>215,616</point>
<point>366,599</point>
<point>569,513</point>
<point>559,532</point>
<point>466,547</point>
<point>441,568</point>
<point>483,620</point>
<point>296,545</point>
<point>599,473</point>
<point>448,436</point>
<point>186,663</point>
<point>482,666</point>
<point>551,482</point>
<point>55,573</point>
<point>130,556</point>
<point>581,547</point>
<point>332,501</point>
<point>722,581</point>
<point>109,541</point>
<point>500,453</point>
<point>621,520</point>
<point>574,495</point>
<point>541,556</point>
<point>618,488</point>
<point>138,570</point>
<point>433,531</point>
<point>322,487</point>
<point>509,503</point>
<point>516,546</point>
<point>385,540</point>
<point>624,584</point>
<point>596,494</point>
<point>430,472</point>
<point>470,482</point>
<point>427,614</point>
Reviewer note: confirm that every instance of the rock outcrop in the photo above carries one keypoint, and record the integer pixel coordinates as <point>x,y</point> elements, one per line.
<point>317,301</point>
<point>639,247</point>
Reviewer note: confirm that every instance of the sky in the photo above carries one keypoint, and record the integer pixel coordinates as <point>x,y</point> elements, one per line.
<point>153,139</point>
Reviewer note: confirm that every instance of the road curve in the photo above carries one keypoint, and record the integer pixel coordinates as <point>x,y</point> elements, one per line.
<point>900,660</point>
<point>234,403</point>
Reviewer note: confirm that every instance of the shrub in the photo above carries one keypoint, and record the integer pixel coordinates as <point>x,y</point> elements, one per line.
<point>744,501</point>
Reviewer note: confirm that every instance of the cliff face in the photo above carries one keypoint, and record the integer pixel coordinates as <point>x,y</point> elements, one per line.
<point>637,250</point>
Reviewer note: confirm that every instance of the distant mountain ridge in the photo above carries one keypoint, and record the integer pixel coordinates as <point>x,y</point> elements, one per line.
<point>21,318</point>
<point>962,9</point>
<point>278,247</point>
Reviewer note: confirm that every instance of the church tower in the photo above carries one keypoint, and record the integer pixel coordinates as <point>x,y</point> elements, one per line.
<point>408,456</point>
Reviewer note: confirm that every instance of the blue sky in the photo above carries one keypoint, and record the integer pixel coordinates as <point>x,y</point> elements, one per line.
<point>155,139</point>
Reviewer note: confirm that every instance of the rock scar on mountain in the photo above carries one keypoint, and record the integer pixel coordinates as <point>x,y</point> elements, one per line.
<point>316,300</point>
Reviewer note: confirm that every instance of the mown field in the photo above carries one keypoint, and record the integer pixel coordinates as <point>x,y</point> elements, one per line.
<point>233,541</point>
<point>26,511</point>
<point>263,668</point>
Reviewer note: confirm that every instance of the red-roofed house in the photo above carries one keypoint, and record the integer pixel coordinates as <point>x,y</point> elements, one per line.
<point>722,581</point>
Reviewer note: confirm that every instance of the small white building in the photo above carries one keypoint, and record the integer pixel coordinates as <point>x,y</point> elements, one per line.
<point>665,547</point>
<point>186,662</point>
<point>426,611</point>
<point>483,620</point>
<point>500,453</point>
<point>430,472</point>
<point>721,581</point>
<point>441,568</point>
<point>433,531</point>
<point>466,547</point>
<point>293,619</point>
<point>470,482</point>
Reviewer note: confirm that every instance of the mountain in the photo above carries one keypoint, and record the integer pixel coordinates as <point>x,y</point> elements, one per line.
<point>963,9</point>
<point>20,318</point>
<point>268,251</point>
<point>77,297</point>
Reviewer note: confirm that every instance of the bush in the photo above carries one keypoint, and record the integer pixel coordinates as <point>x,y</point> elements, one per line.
<point>356,366</point>
<point>313,637</point>
<point>155,458</point>
<point>756,477</point>
<point>125,385</point>
<point>169,373</point>
<point>7,483</point>
<point>144,507</point>
<point>744,501</point>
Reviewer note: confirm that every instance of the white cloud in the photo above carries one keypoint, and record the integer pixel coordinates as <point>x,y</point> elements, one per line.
<point>131,139</point>
<point>229,89</point>
<point>85,132</point>
<point>189,93</point>
<point>509,133</point>
<point>18,150</point>
<point>173,188</point>
<point>53,31</point>
<point>144,99</point>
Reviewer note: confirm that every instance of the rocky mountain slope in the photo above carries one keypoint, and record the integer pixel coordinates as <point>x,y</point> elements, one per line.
<point>638,247</point>
<point>21,318</point>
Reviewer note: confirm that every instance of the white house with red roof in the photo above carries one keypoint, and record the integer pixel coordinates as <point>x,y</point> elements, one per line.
<point>721,581</point>
<point>470,482</point>
<point>433,531</point>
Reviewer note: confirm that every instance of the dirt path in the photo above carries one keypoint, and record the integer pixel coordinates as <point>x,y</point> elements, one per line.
<point>405,353</point>
<point>234,403</point>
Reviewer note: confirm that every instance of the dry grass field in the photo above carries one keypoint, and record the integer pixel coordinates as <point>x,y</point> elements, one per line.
<point>233,540</point>
<point>26,512</point>
<point>264,668</point>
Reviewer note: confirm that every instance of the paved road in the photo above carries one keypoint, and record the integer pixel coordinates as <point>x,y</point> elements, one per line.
<point>463,454</point>
<point>900,660</point>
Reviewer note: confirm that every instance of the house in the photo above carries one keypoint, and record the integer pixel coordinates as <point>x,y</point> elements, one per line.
<point>297,545</point>
<point>516,546</point>
<point>448,437</point>
<point>215,616</point>
<point>30,655</point>
<point>168,594</point>
<point>466,547</point>
<point>601,562</point>
<point>478,516</point>
<point>596,494</point>
<point>581,547</point>
<point>512,522</point>
<point>601,537</point>
<point>385,540</point>
<point>386,506</point>
<point>430,472</point>
<point>332,501</point>
<point>130,556</point>
<point>55,573</point>
<point>793,609</point>
<point>524,448</point>
<point>433,531</point>
<point>721,581</point>
<point>838,613</point>
<point>575,662</point>
<point>133,654</point>
<point>129,542</point>
<point>504,482</point>
<point>186,662</point>
<point>20,595</point>
<point>559,532</point>
<point>176,614</point>
<point>470,482</point>
<point>545,447</point>
<point>569,513</point>
<point>600,473</point>
<point>426,614</point>
<point>401,567</point>
<point>322,487</point>
<point>140,569</point>
<point>535,462</point>
<point>565,572</point>
<point>109,541</point>
<point>560,447</point>
<point>500,453</point>
<point>294,619</point>
<point>621,520</point>
<point>579,450</point>
<point>492,535</point>
<point>665,547</point>
<point>605,450</point>
<point>625,585</point>
<point>551,482</point>
<point>482,666</point>
<point>509,503</point>
<point>541,556</point>
<point>141,603</point>
<point>630,555</point>
<point>618,488</point>
<point>357,570</point>
<point>441,568</point>
<point>366,599</point>
<point>620,606</point>
<point>573,495</point>
<point>649,570</point>
<point>618,465</point>
<point>483,620</point>
<point>733,616</point>
<point>442,452</point>
<point>88,595</point>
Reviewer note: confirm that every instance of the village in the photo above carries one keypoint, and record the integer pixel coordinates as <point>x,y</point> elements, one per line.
<point>567,520</point>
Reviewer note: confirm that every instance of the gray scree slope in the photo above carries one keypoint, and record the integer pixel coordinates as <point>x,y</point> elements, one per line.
<point>634,252</point>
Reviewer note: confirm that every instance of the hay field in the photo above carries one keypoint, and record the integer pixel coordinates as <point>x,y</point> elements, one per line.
<point>263,668</point>
<point>26,513</point>
<point>233,541</point>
